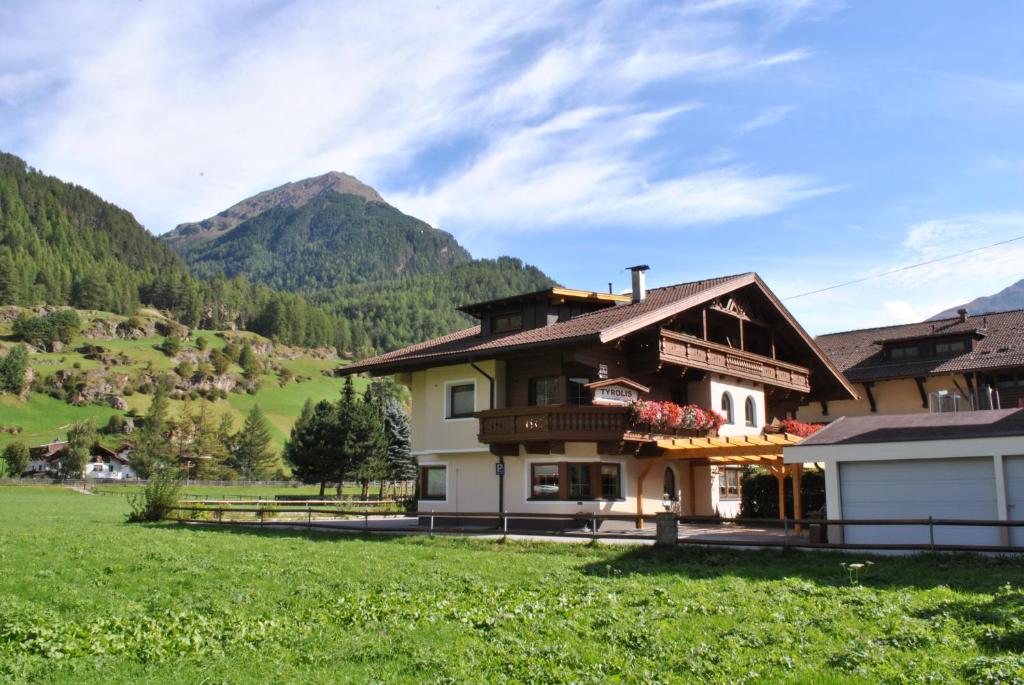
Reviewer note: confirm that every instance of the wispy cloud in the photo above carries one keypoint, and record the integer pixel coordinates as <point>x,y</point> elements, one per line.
<point>767,117</point>
<point>177,111</point>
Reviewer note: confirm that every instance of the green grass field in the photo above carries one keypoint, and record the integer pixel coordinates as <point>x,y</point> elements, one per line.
<point>86,598</point>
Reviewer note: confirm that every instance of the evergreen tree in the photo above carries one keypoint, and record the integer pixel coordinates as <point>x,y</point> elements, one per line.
<point>12,370</point>
<point>312,448</point>
<point>81,438</point>
<point>17,456</point>
<point>252,456</point>
<point>153,448</point>
<point>364,444</point>
<point>401,463</point>
<point>247,360</point>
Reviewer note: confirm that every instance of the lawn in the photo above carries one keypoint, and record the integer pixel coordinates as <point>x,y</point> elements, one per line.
<point>86,598</point>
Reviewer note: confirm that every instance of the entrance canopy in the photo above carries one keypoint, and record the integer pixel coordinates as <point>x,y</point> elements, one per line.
<point>744,449</point>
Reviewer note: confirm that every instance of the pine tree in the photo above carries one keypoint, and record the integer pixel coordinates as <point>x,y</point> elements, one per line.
<point>401,463</point>
<point>153,449</point>
<point>365,443</point>
<point>252,456</point>
<point>247,360</point>
<point>12,370</point>
<point>312,448</point>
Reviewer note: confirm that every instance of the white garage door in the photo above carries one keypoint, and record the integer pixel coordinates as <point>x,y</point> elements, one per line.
<point>917,489</point>
<point>1013,467</point>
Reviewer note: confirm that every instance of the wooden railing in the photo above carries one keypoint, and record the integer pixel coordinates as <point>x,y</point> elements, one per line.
<point>526,424</point>
<point>685,350</point>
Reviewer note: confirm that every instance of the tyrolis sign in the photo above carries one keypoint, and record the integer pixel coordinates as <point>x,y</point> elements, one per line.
<point>616,391</point>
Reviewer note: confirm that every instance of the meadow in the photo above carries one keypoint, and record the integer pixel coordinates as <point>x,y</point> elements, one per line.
<point>87,598</point>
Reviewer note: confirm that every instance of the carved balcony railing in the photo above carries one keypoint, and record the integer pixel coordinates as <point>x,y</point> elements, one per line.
<point>685,350</point>
<point>558,423</point>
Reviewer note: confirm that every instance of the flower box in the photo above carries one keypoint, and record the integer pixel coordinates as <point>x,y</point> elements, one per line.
<point>669,418</point>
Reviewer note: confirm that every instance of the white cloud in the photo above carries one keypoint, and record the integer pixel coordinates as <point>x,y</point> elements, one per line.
<point>178,110</point>
<point>767,117</point>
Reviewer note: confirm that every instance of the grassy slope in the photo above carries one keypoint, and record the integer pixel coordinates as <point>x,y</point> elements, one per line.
<point>85,598</point>
<point>42,417</point>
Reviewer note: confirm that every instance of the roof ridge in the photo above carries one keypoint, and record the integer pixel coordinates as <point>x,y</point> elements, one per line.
<point>701,280</point>
<point>921,323</point>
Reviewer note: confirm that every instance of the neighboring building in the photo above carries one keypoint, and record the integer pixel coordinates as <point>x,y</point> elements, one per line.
<point>526,413</point>
<point>946,466</point>
<point>958,364</point>
<point>103,462</point>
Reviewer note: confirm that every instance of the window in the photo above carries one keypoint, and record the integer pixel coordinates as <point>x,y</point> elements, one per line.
<point>611,481</point>
<point>461,400</point>
<point>906,352</point>
<point>579,481</point>
<point>729,483</point>
<point>544,481</point>
<point>544,391</point>
<point>507,322</point>
<point>567,481</point>
<point>578,393</point>
<point>952,347</point>
<point>727,411</point>
<point>434,482</point>
<point>670,484</point>
<point>750,412</point>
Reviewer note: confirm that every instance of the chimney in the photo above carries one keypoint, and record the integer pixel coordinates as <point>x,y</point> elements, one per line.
<point>962,313</point>
<point>639,282</point>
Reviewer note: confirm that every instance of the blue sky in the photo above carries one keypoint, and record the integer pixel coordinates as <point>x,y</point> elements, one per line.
<point>813,142</point>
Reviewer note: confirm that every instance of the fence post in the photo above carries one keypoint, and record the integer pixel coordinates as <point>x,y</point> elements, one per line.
<point>785,532</point>
<point>366,519</point>
<point>309,517</point>
<point>931,534</point>
<point>593,526</point>
<point>504,523</point>
<point>431,523</point>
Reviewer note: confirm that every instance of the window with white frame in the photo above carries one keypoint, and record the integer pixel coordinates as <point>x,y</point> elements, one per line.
<point>460,400</point>
<point>750,412</point>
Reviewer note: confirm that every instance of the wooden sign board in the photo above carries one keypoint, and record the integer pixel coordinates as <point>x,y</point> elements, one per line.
<point>616,391</point>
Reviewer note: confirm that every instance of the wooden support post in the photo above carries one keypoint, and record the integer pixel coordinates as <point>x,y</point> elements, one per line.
<point>704,321</point>
<point>693,490</point>
<point>742,342</point>
<point>771,333</point>
<point>921,391</point>
<point>640,492</point>
<point>779,471</point>
<point>871,396</point>
<point>798,470</point>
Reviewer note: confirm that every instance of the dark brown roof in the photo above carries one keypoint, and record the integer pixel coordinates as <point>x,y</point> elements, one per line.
<point>852,430</point>
<point>604,325</point>
<point>463,344</point>
<point>999,343</point>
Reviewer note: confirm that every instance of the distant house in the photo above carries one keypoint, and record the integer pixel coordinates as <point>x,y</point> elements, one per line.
<point>957,364</point>
<point>103,462</point>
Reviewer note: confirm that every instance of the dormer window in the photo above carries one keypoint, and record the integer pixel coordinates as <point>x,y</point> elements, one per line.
<point>905,352</point>
<point>503,323</point>
<point>951,347</point>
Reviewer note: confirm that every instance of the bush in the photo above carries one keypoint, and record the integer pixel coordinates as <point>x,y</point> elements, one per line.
<point>171,345</point>
<point>157,499</point>
<point>760,494</point>
<point>200,343</point>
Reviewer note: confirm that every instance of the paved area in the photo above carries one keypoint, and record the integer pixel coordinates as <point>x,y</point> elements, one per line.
<point>612,532</point>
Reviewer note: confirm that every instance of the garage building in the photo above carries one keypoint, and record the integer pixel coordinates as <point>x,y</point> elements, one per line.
<point>967,465</point>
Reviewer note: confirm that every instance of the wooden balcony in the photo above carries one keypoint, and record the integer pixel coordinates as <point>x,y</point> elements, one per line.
<point>552,424</point>
<point>680,349</point>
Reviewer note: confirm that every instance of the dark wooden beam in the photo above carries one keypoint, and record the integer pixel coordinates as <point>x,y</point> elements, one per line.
<point>504,449</point>
<point>824,408</point>
<point>921,391</point>
<point>871,396</point>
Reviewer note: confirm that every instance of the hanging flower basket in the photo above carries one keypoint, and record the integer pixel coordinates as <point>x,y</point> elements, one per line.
<point>669,418</point>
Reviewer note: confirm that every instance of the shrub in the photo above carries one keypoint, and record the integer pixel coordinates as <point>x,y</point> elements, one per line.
<point>156,500</point>
<point>171,345</point>
<point>200,343</point>
<point>759,493</point>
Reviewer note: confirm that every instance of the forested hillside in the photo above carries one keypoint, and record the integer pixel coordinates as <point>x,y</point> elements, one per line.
<point>61,244</point>
<point>391,279</point>
<point>329,241</point>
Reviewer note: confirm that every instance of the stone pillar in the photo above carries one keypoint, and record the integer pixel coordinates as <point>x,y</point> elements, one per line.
<point>667,529</point>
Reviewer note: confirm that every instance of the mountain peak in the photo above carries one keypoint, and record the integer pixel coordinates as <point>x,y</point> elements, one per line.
<point>292,194</point>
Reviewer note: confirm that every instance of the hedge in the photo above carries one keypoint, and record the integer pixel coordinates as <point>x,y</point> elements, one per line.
<point>760,494</point>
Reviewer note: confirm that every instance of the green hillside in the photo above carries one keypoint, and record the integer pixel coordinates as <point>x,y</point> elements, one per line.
<point>288,377</point>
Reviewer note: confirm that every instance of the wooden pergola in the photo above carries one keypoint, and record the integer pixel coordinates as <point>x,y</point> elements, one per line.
<point>759,450</point>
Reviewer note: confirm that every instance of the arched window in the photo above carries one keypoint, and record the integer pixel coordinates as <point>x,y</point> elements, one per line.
<point>670,484</point>
<point>727,411</point>
<point>750,412</point>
